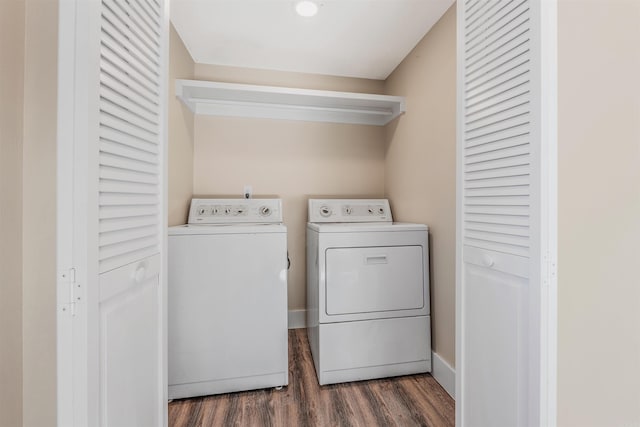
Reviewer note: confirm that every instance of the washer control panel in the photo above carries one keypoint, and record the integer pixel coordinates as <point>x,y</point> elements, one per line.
<point>235,211</point>
<point>349,210</point>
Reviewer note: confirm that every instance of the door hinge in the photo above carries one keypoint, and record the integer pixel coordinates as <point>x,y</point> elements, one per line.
<point>68,286</point>
<point>550,270</point>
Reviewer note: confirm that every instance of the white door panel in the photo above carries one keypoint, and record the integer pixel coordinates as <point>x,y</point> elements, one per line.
<point>112,212</point>
<point>496,324</point>
<point>131,345</point>
<point>505,222</point>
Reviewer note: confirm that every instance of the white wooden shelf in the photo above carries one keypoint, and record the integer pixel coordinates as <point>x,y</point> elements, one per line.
<point>240,100</point>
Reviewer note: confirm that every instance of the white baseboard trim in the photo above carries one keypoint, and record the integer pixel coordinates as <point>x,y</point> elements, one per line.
<point>444,374</point>
<point>297,319</point>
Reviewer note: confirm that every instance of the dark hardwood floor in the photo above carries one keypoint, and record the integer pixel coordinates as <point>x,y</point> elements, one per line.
<point>413,400</point>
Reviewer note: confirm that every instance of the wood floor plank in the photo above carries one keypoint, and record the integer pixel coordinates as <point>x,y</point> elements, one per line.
<point>377,412</point>
<point>432,400</point>
<point>414,400</point>
<point>214,410</point>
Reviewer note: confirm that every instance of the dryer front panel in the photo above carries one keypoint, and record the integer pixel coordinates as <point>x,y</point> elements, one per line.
<point>371,275</point>
<point>374,279</point>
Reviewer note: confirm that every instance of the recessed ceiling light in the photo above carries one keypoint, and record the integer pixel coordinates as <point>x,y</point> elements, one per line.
<point>306,8</point>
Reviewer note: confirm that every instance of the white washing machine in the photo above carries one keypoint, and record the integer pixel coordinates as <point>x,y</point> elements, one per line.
<point>227,298</point>
<point>367,292</point>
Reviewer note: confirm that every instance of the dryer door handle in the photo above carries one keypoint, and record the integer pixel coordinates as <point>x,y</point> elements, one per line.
<point>375,259</point>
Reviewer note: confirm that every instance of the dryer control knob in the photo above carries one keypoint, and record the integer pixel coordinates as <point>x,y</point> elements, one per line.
<point>325,211</point>
<point>265,210</point>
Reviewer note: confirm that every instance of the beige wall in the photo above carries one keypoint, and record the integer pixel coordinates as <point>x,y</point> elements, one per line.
<point>286,79</point>
<point>420,165</point>
<point>180,166</point>
<point>39,199</point>
<point>288,159</point>
<point>11,119</point>
<point>599,213</point>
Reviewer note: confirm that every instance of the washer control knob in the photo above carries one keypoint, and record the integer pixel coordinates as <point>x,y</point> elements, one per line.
<point>325,211</point>
<point>265,210</point>
<point>370,211</point>
<point>201,211</point>
<point>381,211</point>
<point>347,210</point>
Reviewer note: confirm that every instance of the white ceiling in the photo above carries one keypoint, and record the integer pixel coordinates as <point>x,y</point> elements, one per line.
<point>355,38</point>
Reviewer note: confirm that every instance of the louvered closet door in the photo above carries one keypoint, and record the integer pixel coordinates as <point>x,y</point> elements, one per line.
<point>498,203</point>
<point>130,222</point>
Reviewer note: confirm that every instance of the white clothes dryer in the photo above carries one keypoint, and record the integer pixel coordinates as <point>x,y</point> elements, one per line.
<point>368,299</point>
<point>227,298</point>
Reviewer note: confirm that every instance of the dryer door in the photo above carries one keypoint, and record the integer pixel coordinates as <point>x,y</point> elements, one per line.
<point>363,281</point>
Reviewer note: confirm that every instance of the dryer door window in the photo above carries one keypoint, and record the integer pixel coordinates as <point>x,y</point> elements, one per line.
<point>374,279</point>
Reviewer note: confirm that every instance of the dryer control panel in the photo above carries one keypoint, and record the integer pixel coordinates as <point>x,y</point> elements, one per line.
<point>235,211</point>
<point>349,210</point>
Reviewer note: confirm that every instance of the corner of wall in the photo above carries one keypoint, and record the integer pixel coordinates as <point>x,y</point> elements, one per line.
<point>181,134</point>
<point>39,195</point>
<point>420,163</point>
<point>11,142</point>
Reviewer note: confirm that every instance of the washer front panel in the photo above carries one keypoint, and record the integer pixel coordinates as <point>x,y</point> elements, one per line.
<point>227,312</point>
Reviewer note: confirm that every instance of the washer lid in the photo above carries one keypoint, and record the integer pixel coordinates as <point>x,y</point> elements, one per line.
<point>368,227</point>
<point>209,229</point>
